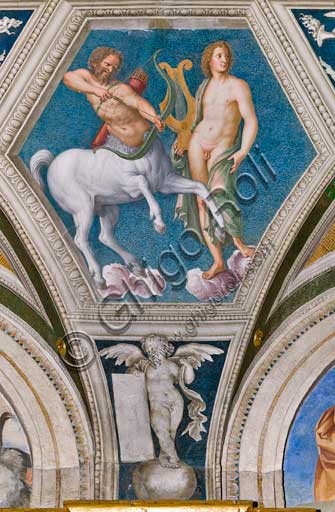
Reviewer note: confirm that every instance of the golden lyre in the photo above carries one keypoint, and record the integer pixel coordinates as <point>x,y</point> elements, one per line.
<point>180,126</point>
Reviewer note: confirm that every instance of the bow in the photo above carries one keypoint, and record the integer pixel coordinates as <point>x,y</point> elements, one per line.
<point>171,94</point>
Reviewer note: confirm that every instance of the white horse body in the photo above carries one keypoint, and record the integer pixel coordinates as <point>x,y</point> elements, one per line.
<point>85,183</point>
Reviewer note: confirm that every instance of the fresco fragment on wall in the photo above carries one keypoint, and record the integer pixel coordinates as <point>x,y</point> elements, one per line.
<point>7,273</point>
<point>15,460</point>
<point>326,246</point>
<point>12,22</point>
<point>309,465</point>
<point>270,171</point>
<point>5,263</point>
<point>163,396</point>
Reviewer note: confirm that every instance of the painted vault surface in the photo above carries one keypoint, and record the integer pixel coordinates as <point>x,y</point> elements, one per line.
<point>282,151</point>
<point>166,385</point>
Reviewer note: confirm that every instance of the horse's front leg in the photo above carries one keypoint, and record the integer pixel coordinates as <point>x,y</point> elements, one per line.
<point>140,183</point>
<point>176,184</point>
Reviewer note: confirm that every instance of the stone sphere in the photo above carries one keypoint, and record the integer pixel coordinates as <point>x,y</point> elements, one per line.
<point>155,482</point>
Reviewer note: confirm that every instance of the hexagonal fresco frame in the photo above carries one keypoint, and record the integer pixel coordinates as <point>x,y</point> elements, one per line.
<point>57,29</point>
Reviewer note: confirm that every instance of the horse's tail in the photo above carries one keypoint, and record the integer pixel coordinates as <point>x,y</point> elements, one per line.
<point>42,158</point>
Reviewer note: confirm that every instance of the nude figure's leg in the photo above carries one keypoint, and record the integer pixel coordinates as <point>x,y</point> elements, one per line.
<point>176,416</point>
<point>244,249</point>
<point>198,168</point>
<point>160,419</point>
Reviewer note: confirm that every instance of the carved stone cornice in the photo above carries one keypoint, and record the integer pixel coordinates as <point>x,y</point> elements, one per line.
<point>24,288</point>
<point>29,44</point>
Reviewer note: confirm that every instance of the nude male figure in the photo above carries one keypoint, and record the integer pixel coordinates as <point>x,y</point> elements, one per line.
<point>225,102</point>
<point>125,112</point>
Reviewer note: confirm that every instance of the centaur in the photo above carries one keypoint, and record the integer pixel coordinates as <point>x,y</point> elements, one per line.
<point>87,183</point>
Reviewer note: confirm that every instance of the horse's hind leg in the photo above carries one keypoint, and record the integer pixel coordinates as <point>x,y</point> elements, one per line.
<point>109,215</point>
<point>83,220</point>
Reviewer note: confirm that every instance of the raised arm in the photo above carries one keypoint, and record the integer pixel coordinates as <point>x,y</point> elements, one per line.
<point>250,128</point>
<point>134,100</point>
<point>81,80</point>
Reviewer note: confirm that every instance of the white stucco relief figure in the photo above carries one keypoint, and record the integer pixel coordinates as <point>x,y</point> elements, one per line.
<point>7,23</point>
<point>317,29</point>
<point>163,369</point>
<point>328,68</point>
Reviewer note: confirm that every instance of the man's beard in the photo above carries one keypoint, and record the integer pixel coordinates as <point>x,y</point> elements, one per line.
<point>103,77</point>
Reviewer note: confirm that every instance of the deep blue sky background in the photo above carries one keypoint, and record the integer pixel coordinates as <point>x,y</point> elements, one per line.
<point>69,121</point>
<point>301,453</point>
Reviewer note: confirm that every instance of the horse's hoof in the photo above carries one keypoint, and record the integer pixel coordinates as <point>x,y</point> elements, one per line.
<point>160,228</point>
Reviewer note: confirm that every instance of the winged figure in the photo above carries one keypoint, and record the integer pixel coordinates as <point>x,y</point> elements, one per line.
<point>163,368</point>
<point>329,70</point>
<point>7,23</point>
<point>317,31</point>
